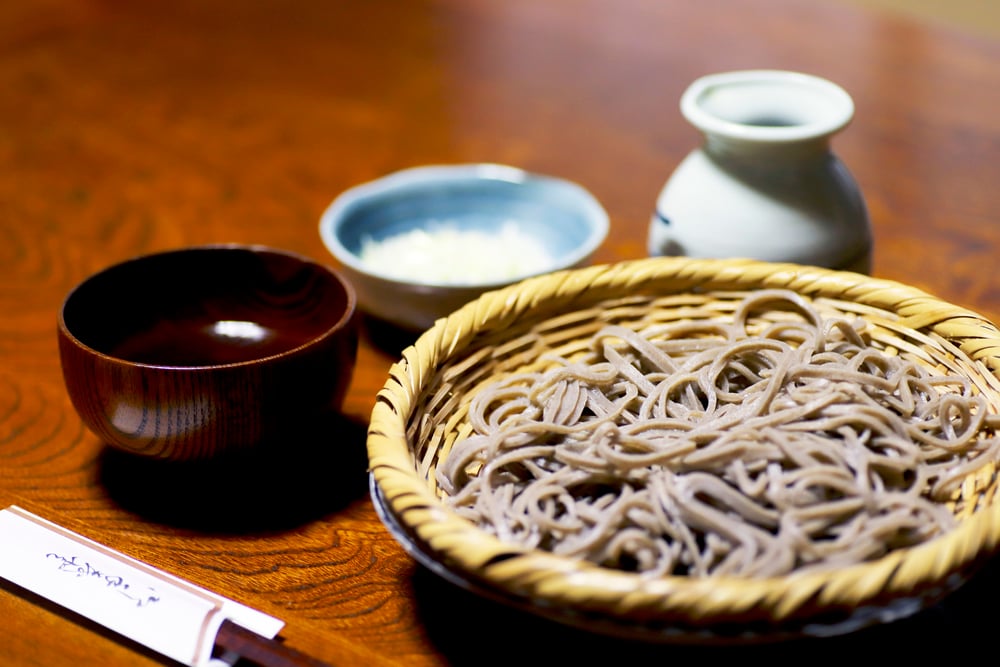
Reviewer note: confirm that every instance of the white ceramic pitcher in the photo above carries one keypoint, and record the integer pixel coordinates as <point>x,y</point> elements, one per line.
<point>764,183</point>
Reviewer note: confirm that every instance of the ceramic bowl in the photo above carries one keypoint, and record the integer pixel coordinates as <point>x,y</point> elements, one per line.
<point>414,216</point>
<point>191,353</point>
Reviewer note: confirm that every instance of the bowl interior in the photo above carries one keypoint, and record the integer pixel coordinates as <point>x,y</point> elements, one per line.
<point>565,219</point>
<point>207,306</point>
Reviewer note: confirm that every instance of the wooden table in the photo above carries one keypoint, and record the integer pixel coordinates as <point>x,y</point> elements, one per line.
<point>130,127</point>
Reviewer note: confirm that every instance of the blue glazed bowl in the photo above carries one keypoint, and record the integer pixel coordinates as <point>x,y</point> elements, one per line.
<point>530,211</point>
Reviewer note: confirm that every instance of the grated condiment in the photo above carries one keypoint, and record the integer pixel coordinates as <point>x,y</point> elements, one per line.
<point>444,254</point>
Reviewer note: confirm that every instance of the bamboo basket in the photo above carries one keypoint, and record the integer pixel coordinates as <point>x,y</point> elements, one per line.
<point>420,412</point>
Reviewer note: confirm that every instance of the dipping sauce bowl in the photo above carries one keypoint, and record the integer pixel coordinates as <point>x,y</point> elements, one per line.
<point>191,353</point>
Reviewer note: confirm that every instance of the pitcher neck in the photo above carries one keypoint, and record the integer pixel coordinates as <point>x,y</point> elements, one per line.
<point>738,149</point>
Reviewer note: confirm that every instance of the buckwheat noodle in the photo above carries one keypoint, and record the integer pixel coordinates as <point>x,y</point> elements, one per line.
<point>708,448</point>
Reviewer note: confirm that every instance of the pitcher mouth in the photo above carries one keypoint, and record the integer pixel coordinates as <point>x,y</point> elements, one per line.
<point>767,105</point>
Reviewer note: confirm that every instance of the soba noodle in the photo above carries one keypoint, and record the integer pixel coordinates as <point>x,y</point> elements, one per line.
<point>722,448</point>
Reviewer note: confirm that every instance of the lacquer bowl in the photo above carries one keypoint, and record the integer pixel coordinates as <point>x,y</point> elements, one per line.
<point>192,353</point>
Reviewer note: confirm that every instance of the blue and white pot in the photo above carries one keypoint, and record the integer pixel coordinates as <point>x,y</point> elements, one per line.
<point>764,184</point>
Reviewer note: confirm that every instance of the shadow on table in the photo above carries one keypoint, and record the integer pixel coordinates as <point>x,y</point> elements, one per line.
<point>470,630</point>
<point>386,336</point>
<point>283,485</point>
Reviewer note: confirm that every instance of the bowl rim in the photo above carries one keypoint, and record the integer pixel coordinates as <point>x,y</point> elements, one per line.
<point>342,323</point>
<point>913,575</point>
<point>441,173</point>
<point>831,110</point>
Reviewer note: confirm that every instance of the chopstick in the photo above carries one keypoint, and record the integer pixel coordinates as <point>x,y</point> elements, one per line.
<point>258,650</point>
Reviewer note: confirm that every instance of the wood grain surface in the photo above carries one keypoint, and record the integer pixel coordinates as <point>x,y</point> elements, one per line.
<point>131,127</point>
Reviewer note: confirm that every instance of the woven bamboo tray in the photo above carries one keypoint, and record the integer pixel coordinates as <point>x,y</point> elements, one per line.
<point>422,407</point>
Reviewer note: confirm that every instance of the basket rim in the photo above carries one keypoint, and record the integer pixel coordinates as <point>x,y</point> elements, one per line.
<point>540,575</point>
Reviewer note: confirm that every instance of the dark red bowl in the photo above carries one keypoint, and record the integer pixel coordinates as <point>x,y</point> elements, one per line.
<point>189,353</point>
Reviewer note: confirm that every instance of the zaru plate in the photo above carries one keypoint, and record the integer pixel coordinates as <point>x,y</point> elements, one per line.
<point>422,411</point>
